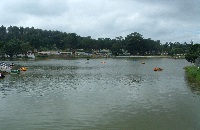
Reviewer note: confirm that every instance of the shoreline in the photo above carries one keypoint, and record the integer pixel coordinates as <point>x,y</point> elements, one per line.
<point>143,56</point>
<point>193,74</point>
<point>87,57</point>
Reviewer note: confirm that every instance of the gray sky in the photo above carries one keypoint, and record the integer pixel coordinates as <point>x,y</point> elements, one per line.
<point>165,20</point>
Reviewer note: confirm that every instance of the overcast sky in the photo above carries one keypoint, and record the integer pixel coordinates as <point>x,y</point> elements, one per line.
<point>165,20</point>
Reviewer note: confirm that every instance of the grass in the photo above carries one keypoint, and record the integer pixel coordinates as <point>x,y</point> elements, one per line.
<point>193,73</point>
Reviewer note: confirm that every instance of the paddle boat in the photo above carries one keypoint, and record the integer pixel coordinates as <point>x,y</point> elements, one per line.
<point>15,71</point>
<point>23,69</point>
<point>157,69</point>
<point>5,68</point>
<point>2,76</point>
<point>12,64</point>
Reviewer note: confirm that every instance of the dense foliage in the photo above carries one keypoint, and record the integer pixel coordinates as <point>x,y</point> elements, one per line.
<point>193,53</point>
<point>15,40</point>
<point>193,74</point>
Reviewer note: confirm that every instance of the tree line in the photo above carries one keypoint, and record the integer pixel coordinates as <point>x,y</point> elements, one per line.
<point>193,54</point>
<point>15,40</point>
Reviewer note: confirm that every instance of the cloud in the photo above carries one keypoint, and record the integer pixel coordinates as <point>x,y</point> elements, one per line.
<point>165,20</point>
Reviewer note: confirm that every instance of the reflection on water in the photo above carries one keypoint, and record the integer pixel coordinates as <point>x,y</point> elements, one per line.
<point>82,94</point>
<point>194,87</point>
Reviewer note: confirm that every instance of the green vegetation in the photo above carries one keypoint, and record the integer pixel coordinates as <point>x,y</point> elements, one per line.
<point>193,53</point>
<point>16,40</point>
<point>193,74</point>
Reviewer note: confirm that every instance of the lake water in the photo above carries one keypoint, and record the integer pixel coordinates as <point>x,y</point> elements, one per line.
<point>99,94</point>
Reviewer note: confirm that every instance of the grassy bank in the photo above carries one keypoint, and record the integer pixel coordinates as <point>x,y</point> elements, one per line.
<point>193,73</point>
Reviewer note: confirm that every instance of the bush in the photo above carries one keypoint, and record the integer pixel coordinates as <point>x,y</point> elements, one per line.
<point>193,73</point>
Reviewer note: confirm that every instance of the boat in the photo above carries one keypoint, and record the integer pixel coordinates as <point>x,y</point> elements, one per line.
<point>23,69</point>
<point>12,64</point>
<point>2,76</point>
<point>5,68</point>
<point>157,69</point>
<point>15,71</point>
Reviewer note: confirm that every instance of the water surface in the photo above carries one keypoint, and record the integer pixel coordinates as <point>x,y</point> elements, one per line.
<point>112,94</point>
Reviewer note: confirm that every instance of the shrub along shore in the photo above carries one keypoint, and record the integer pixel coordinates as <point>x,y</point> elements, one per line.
<point>193,74</point>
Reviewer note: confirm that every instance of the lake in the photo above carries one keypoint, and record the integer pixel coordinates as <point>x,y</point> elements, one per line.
<point>99,94</point>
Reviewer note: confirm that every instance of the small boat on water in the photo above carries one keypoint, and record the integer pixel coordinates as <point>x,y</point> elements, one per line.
<point>157,69</point>
<point>12,64</point>
<point>5,68</point>
<point>15,71</point>
<point>23,69</point>
<point>10,68</point>
<point>2,76</point>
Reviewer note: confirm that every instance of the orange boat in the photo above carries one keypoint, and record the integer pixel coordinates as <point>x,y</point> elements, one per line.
<point>157,69</point>
<point>23,69</point>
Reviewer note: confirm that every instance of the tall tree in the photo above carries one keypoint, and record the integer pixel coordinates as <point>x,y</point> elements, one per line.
<point>25,47</point>
<point>193,53</point>
<point>2,33</point>
<point>133,42</point>
<point>12,47</point>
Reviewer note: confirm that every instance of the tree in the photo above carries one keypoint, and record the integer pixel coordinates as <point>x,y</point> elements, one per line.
<point>2,53</point>
<point>193,53</point>
<point>25,47</point>
<point>133,42</point>
<point>40,39</point>
<point>12,47</point>
<point>116,49</point>
<point>86,43</point>
<point>2,33</point>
